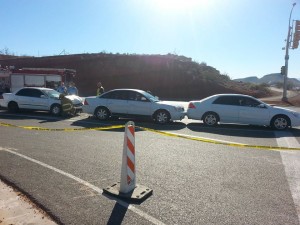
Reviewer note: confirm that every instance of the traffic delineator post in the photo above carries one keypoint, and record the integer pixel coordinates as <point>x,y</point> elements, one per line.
<point>128,180</point>
<point>127,187</point>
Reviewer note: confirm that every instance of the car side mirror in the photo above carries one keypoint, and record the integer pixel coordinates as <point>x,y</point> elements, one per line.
<point>43,96</point>
<point>261,106</point>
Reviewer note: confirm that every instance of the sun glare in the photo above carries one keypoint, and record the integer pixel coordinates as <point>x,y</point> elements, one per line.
<point>179,5</point>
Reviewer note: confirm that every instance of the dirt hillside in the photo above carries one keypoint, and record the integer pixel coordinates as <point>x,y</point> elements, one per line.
<point>167,76</point>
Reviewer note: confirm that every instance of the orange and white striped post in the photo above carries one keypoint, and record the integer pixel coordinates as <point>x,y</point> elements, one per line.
<point>128,179</point>
<point>128,188</point>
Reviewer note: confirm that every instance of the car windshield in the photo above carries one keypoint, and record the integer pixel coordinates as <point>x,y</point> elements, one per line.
<point>150,96</point>
<point>52,93</point>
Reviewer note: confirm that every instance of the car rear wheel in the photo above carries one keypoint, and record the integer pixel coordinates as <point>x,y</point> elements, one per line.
<point>102,113</point>
<point>13,107</point>
<point>55,110</point>
<point>162,117</point>
<point>210,119</point>
<point>280,122</point>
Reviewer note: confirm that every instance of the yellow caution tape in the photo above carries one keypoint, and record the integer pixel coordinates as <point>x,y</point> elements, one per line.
<point>7,125</point>
<point>274,148</point>
<point>63,129</point>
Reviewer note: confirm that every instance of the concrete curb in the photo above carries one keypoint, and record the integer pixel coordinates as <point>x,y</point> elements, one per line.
<point>15,208</point>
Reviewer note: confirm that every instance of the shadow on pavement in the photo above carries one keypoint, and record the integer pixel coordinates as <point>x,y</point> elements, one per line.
<point>91,122</point>
<point>117,215</point>
<point>241,130</point>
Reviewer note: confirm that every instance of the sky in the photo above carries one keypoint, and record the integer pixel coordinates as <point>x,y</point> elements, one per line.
<point>240,38</point>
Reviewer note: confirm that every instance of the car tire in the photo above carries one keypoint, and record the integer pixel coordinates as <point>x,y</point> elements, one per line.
<point>102,113</point>
<point>280,122</point>
<point>55,110</point>
<point>162,117</point>
<point>210,119</point>
<point>13,107</point>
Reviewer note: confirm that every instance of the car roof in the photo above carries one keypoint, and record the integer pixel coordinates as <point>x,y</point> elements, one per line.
<point>241,95</point>
<point>212,97</point>
<point>39,88</point>
<point>126,89</point>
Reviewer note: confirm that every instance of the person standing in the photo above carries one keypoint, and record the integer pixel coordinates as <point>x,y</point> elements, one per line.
<point>62,88</point>
<point>100,89</point>
<point>72,90</point>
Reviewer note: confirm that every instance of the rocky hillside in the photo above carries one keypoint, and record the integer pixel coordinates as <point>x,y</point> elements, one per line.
<point>167,76</point>
<point>270,79</point>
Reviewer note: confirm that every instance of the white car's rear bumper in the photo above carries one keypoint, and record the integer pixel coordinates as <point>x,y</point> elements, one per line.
<point>87,109</point>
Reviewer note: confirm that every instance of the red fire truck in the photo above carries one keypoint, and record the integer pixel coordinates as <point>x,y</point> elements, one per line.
<point>40,77</point>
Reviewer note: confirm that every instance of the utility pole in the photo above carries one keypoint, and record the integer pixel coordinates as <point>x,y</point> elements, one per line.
<point>285,76</point>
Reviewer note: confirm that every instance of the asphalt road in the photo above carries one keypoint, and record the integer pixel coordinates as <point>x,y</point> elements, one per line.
<point>193,182</point>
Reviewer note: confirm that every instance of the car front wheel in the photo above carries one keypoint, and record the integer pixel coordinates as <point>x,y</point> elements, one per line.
<point>210,119</point>
<point>55,110</point>
<point>280,122</point>
<point>102,113</point>
<point>162,117</point>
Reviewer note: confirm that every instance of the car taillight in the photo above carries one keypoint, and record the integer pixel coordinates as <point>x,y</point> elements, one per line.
<point>192,106</point>
<point>85,102</point>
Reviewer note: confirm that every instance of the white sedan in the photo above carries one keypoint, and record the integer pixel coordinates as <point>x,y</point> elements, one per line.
<point>36,98</point>
<point>132,103</point>
<point>241,109</point>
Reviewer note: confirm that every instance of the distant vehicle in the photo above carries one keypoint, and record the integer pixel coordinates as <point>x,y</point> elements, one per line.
<point>34,98</point>
<point>241,109</point>
<point>39,77</point>
<point>132,103</point>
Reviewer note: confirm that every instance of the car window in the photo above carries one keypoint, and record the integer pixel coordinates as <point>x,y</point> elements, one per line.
<point>150,97</point>
<point>120,95</point>
<point>52,93</point>
<point>108,95</point>
<point>30,93</point>
<point>136,96</point>
<point>249,102</point>
<point>227,100</point>
<point>23,92</point>
<point>36,93</point>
